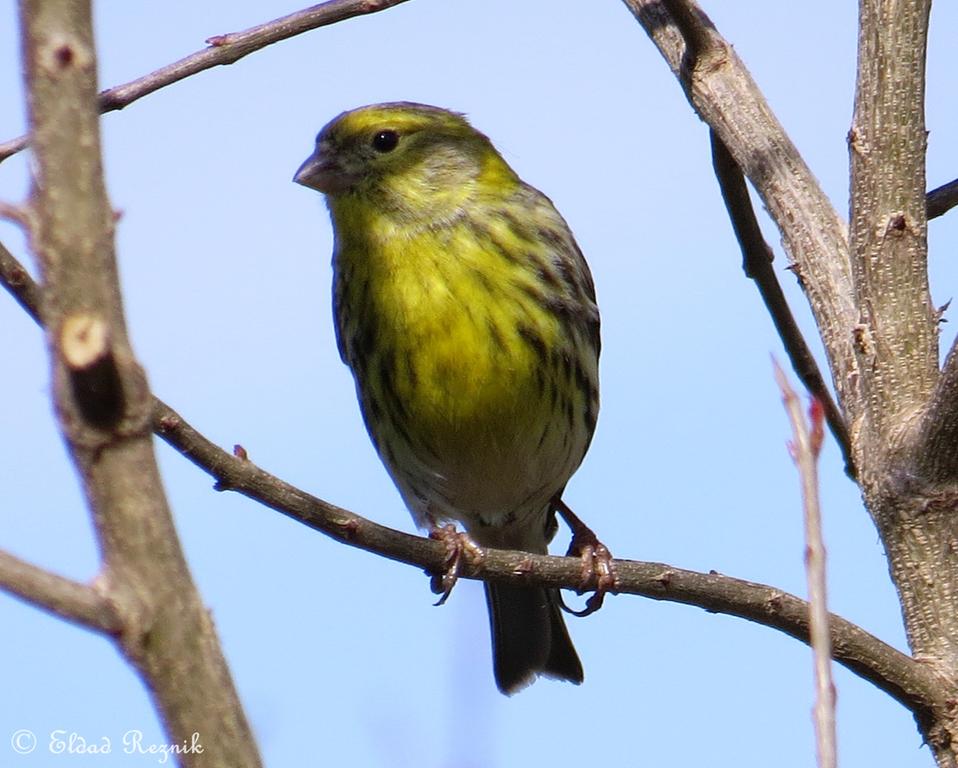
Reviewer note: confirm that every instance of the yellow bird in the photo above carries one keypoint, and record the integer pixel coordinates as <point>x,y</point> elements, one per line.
<point>467,314</point>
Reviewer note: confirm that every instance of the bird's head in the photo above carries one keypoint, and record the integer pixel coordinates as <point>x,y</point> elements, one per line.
<point>408,160</point>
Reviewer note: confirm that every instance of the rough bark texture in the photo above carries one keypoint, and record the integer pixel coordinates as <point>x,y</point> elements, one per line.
<point>868,290</point>
<point>897,339</point>
<point>725,96</point>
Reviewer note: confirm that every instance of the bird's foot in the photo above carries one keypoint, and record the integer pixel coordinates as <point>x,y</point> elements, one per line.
<point>598,567</point>
<point>459,547</point>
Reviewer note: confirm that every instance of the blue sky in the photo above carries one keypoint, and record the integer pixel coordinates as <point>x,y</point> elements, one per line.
<point>339,656</point>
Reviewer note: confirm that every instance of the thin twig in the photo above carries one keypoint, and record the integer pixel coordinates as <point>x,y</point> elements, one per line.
<point>70,600</point>
<point>942,199</point>
<point>867,656</point>
<point>806,449</point>
<point>726,97</point>
<point>222,50</point>
<point>757,264</point>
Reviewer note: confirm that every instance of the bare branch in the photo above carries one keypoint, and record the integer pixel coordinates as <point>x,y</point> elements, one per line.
<point>942,199</point>
<point>888,233</point>
<point>757,262</point>
<point>936,449</point>
<point>890,670</point>
<point>911,495</point>
<point>19,284</point>
<point>887,668</point>
<point>806,449</point>
<point>722,92</point>
<point>223,50</point>
<point>70,600</point>
<point>102,400</point>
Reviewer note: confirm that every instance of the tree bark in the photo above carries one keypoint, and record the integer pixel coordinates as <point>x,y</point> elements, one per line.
<point>897,340</point>
<point>868,291</point>
<point>104,404</point>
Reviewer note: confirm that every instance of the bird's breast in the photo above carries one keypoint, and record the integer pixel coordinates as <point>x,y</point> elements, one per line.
<point>460,364</point>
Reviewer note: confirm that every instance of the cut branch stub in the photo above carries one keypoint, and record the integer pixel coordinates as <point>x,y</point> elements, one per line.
<point>96,385</point>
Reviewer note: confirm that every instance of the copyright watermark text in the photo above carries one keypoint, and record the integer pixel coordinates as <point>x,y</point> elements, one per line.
<point>23,741</point>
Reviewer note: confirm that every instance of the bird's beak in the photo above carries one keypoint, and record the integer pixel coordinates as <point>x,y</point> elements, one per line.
<point>324,173</point>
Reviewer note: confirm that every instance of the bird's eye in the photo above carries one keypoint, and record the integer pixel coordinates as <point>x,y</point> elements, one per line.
<point>385,141</point>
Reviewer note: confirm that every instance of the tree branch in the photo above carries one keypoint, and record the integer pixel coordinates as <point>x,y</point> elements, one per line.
<point>722,92</point>
<point>102,400</point>
<point>942,199</point>
<point>19,284</point>
<point>864,654</point>
<point>901,384</point>
<point>70,600</point>
<point>901,677</point>
<point>223,50</point>
<point>936,449</point>
<point>806,448</point>
<point>757,260</point>
<point>898,349</point>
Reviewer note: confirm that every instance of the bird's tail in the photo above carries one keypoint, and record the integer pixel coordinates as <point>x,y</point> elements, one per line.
<point>529,637</point>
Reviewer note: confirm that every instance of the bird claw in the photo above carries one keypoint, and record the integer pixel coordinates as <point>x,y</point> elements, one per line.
<point>459,547</point>
<point>598,566</point>
<point>598,573</point>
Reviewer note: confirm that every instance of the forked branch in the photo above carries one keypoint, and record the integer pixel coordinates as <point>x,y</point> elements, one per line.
<point>757,262</point>
<point>725,96</point>
<point>81,604</point>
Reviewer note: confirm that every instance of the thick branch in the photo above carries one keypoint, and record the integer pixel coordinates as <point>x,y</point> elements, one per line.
<point>225,49</point>
<point>102,400</point>
<point>911,499</point>
<point>724,95</point>
<point>757,262</point>
<point>898,340</point>
<point>70,600</point>
<point>865,655</point>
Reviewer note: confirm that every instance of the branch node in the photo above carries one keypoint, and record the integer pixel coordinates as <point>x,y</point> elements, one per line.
<point>85,343</point>
<point>525,567</point>
<point>349,529</point>
<point>665,578</point>
<point>774,603</point>
<point>168,422</point>
<point>862,338</point>
<point>84,340</point>
<point>64,54</point>
<point>21,214</point>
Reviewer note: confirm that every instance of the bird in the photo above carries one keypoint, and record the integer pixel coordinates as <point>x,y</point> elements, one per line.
<point>467,314</point>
